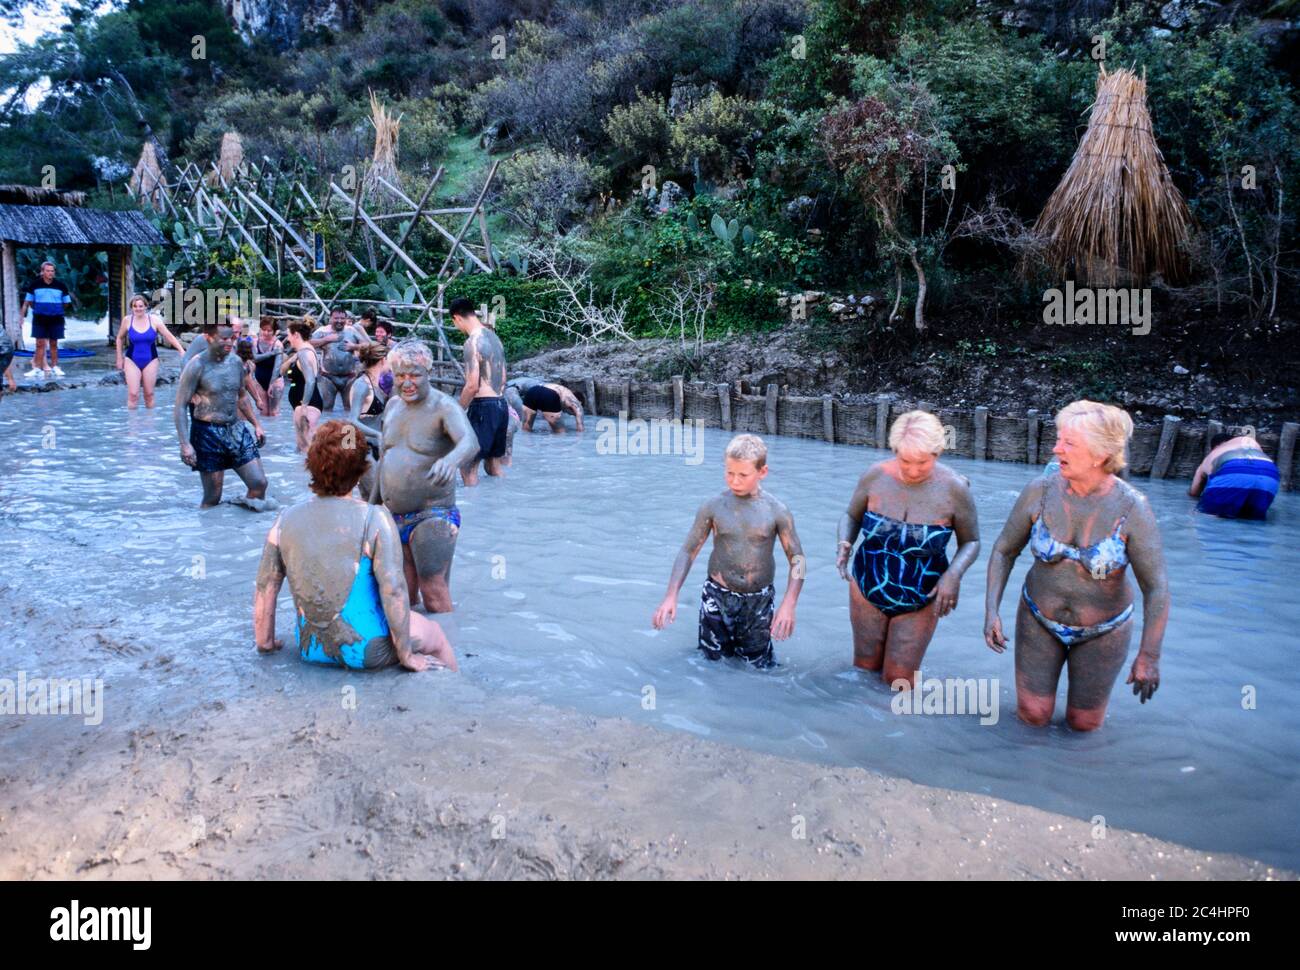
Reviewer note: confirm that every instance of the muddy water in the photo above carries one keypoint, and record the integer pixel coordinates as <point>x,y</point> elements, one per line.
<point>561,565</point>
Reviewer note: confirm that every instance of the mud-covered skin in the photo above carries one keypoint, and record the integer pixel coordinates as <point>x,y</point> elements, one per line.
<point>213,384</point>
<point>426,439</point>
<point>485,376</point>
<point>568,403</point>
<point>896,646</point>
<point>744,528</point>
<point>364,391</point>
<point>1068,593</point>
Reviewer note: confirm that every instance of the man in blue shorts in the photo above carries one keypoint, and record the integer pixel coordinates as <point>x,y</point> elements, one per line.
<point>46,297</point>
<point>1236,480</point>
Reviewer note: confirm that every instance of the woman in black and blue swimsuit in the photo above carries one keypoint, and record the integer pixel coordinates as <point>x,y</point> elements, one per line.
<point>137,350</point>
<point>906,510</point>
<point>1085,527</point>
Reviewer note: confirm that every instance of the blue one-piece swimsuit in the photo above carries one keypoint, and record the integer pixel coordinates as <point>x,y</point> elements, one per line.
<point>898,564</point>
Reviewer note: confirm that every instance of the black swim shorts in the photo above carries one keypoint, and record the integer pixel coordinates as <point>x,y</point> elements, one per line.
<point>219,447</point>
<point>490,419</point>
<point>737,624</point>
<point>539,397</point>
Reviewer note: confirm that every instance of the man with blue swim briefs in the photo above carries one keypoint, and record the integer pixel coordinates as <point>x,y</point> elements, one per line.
<point>343,561</point>
<point>426,439</point>
<point>1236,480</point>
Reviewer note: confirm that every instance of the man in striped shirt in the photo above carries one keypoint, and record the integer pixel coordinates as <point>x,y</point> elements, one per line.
<point>47,298</point>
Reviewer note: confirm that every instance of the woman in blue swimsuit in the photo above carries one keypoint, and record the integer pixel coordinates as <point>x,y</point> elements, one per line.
<point>1084,526</point>
<point>906,510</point>
<point>137,350</point>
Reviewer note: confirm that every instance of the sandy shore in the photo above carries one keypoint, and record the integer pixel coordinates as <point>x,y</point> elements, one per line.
<point>299,772</point>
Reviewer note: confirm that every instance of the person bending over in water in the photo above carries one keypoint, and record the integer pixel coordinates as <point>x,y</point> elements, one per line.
<point>485,380</point>
<point>140,329</point>
<point>368,404</point>
<point>906,510</point>
<point>548,400</point>
<point>215,439</point>
<point>342,559</point>
<point>426,438</point>
<point>736,618</point>
<point>302,369</point>
<point>1236,480</point>
<point>1084,526</point>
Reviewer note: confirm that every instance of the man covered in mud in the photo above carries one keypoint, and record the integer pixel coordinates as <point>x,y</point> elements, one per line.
<point>214,439</point>
<point>485,381</point>
<point>736,618</point>
<point>426,439</point>
<point>551,400</point>
<point>342,559</point>
<point>337,344</point>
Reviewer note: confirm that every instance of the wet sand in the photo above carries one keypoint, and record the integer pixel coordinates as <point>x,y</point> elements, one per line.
<point>305,773</point>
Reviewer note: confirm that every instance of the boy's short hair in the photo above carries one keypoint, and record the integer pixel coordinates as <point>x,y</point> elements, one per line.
<point>748,447</point>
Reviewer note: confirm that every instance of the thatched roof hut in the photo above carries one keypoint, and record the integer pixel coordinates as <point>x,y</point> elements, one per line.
<point>1117,215</point>
<point>32,195</point>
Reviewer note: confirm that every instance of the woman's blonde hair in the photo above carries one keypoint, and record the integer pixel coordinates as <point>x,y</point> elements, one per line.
<point>1105,428</point>
<point>918,432</point>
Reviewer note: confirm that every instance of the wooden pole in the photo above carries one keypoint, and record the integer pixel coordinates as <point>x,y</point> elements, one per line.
<point>382,236</point>
<point>1031,436</point>
<point>882,420</point>
<point>1165,450</point>
<point>1286,454</point>
<point>1212,430</point>
<point>724,406</point>
<point>679,398</point>
<point>981,419</point>
<point>590,388</point>
<point>414,220</point>
<point>13,320</point>
<point>770,410</point>
<point>828,418</point>
<point>625,402</point>
<point>428,217</point>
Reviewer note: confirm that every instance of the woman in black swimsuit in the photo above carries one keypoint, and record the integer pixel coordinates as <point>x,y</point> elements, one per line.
<point>267,354</point>
<point>301,368</point>
<point>368,400</point>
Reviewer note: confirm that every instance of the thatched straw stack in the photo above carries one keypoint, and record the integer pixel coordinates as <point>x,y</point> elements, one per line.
<point>1117,216</point>
<point>384,161</point>
<point>12,194</point>
<point>230,159</point>
<point>146,181</point>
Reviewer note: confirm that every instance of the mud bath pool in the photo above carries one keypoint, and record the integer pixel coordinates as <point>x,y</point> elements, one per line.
<point>560,566</point>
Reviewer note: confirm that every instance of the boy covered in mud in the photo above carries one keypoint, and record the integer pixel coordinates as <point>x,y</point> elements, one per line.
<point>426,439</point>
<point>736,618</point>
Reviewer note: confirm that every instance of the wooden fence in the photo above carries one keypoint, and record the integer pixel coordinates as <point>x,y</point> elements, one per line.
<point>1171,449</point>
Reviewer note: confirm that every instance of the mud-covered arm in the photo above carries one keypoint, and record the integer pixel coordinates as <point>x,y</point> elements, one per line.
<point>386,553</point>
<point>573,404</point>
<point>1009,544</point>
<point>785,531</point>
<point>1147,556</point>
<point>359,404</point>
<point>456,423</point>
<point>307,364</point>
<point>270,577</point>
<point>185,388</point>
<point>472,372</point>
<point>966,524</point>
<point>695,539</point>
<point>324,337</point>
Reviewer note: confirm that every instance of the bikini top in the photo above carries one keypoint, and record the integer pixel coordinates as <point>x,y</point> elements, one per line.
<point>1101,559</point>
<point>376,406</point>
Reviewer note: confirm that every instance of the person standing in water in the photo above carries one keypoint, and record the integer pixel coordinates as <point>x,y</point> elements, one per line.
<point>368,404</point>
<point>1236,480</point>
<point>342,560</point>
<point>485,380</point>
<point>337,344</point>
<point>302,370</point>
<point>139,364</point>
<point>1084,526</point>
<point>426,439</point>
<point>736,618</point>
<point>906,510</point>
<point>215,439</point>
<point>268,353</point>
<point>551,401</point>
